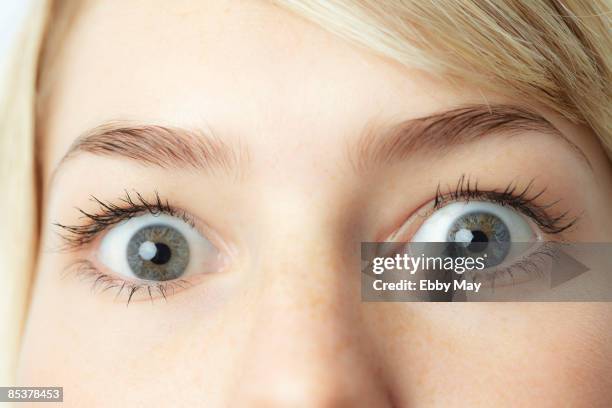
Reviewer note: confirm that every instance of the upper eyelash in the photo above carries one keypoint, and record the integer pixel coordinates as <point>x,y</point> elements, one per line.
<point>110,214</point>
<point>522,200</point>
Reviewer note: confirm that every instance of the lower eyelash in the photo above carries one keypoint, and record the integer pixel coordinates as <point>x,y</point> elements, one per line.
<point>532,266</point>
<point>102,282</point>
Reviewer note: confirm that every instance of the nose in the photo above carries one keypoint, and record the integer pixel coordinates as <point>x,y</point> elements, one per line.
<point>307,347</point>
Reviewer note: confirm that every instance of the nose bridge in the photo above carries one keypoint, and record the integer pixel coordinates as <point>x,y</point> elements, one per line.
<point>308,280</point>
<point>306,346</point>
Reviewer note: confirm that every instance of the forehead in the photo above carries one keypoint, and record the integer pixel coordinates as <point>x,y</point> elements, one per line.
<point>245,68</point>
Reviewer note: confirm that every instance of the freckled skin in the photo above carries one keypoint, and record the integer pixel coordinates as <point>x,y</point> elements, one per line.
<point>283,324</point>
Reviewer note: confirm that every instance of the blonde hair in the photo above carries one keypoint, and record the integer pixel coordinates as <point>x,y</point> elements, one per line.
<point>553,52</point>
<point>18,229</point>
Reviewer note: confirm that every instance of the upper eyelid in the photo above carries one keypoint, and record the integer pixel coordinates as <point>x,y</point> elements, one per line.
<point>78,236</point>
<point>457,193</point>
<point>524,200</point>
<point>111,214</point>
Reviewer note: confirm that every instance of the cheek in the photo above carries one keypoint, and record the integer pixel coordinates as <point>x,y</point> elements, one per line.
<point>510,354</point>
<point>53,339</point>
<point>89,345</point>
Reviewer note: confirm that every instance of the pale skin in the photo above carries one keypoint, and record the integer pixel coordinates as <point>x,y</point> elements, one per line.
<point>283,323</point>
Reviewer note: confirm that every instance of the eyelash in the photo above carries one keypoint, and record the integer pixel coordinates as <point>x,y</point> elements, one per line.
<point>77,236</point>
<point>522,200</point>
<point>110,214</point>
<point>86,271</point>
<point>530,265</point>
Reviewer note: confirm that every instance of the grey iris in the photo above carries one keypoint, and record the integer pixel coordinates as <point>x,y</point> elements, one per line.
<point>158,253</point>
<point>478,233</point>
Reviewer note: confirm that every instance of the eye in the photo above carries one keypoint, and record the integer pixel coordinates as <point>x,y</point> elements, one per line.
<point>476,228</point>
<point>156,247</point>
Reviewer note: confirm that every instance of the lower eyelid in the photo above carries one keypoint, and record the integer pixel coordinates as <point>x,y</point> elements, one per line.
<point>87,269</point>
<point>534,266</point>
<point>124,290</point>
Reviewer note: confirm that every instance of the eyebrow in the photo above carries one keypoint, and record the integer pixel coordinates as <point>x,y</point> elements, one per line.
<point>162,146</point>
<point>173,147</point>
<point>440,132</point>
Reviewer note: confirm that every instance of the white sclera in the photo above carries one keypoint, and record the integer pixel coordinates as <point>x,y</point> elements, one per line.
<point>438,225</point>
<point>113,248</point>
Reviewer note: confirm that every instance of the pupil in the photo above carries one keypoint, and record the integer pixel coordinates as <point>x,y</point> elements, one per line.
<point>162,255</point>
<point>479,241</point>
